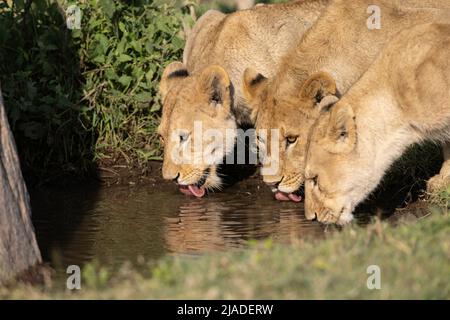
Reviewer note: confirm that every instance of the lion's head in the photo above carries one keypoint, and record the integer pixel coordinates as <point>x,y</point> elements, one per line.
<point>340,166</point>
<point>284,114</point>
<point>197,127</point>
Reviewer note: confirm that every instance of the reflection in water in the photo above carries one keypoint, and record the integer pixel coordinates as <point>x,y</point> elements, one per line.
<point>118,224</point>
<point>230,220</point>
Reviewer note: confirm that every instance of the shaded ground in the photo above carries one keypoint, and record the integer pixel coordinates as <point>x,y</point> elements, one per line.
<point>114,172</point>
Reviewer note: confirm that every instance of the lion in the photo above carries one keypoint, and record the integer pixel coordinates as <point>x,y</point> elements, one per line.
<point>332,55</point>
<point>402,99</point>
<point>206,88</point>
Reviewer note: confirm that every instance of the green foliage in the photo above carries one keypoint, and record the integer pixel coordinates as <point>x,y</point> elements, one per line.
<point>76,96</point>
<point>127,49</point>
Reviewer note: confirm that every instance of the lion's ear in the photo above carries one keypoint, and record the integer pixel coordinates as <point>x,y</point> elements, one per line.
<point>327,102</point>
<point>254,83</point>
<point>341,130</point>
<point>171,74</point>
<point>214,80</point>
<point>317,87</point>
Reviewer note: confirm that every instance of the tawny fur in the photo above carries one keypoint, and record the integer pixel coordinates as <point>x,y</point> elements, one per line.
<point>219,49</point>
<point>341,47</point>
<point>403,98</point>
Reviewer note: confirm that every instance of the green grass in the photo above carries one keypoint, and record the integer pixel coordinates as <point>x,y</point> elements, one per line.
<point>414,260</point>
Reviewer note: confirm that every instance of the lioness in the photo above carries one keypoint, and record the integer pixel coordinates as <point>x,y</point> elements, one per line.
<point>207,87</point>
<point>402,99</point>
<point>341,45</point>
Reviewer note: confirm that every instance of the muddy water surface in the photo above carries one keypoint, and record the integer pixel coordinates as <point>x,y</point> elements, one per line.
<point>117,224</point>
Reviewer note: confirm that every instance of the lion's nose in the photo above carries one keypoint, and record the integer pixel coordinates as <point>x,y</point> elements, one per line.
<point>170,174</point>
<point>310,205</point>
<point>311,216</point>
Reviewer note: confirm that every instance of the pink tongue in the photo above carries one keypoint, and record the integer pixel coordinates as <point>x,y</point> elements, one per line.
<point>185,190</point>
<point>294,197</point>
<point>192,190</point>
<point>281,196</point>
<point>196,191</point>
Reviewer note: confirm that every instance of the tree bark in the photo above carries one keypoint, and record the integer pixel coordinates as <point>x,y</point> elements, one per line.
<point>18,246</point>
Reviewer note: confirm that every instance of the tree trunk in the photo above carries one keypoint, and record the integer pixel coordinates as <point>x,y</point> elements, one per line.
<point>244,4</point>
<point>18,247</point>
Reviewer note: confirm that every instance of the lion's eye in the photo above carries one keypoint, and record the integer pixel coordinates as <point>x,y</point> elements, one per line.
<point>291,139</point>
<point>343,134</point>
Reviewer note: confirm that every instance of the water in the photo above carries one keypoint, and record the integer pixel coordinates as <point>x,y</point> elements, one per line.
<point>117,224</point>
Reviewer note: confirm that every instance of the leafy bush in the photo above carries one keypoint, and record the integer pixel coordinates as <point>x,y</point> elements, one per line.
<point>79,97</point>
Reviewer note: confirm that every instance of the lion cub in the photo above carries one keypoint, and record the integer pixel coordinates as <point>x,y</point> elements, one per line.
<point>402,99</point>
